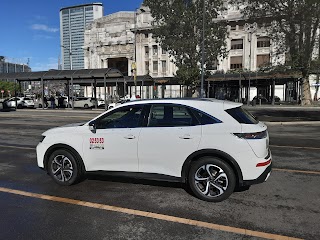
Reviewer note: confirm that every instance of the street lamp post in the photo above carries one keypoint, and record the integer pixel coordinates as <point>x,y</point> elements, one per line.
<point>134,64</point>
<point>202,57</point>
<point>250,29</point>
<point>70,55</point>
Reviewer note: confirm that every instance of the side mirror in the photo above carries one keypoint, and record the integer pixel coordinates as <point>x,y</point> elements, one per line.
<point>92,127</point>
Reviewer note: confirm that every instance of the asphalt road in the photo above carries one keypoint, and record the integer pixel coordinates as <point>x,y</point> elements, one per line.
<point>101,207</point>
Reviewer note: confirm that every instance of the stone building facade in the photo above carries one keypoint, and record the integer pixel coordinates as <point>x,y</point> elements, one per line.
<point>124,38</point>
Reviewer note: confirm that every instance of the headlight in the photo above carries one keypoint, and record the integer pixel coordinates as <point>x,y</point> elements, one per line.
<point>42,138</point>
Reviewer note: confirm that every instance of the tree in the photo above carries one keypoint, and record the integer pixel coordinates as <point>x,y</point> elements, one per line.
<point>293,25</point>
<point>178,26</point>
<point>8,86</point>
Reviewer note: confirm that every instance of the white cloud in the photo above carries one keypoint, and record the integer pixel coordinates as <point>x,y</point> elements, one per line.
<point>39,37</point>
<point>43,27</point>
<point>52,63</point>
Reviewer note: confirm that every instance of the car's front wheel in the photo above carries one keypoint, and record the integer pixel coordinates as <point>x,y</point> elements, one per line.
<point>64,168</point>
<point>211,179</point>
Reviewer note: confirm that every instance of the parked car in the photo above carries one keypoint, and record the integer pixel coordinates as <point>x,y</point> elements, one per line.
<point>83,102</point>
<point>211,146</point>
<point>4,107</point>
<point>121,101</point>
<point>101,103</point>
<point>20,102</point>
<point>264,100</point>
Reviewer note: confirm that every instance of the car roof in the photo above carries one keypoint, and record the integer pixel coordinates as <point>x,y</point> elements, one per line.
<point>189,101</point>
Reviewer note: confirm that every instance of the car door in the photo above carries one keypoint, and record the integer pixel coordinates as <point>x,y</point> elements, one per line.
<point>171,135</point>
<point>113,147</point>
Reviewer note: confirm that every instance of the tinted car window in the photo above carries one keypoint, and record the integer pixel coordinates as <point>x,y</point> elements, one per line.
<point>125,117</point>
<point>242,115</point>
<point>170,116</point>
<point>204,118</point>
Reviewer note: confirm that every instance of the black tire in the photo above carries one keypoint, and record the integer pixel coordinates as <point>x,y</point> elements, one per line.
<point>86,106</point>
<point>211,187</point>
<point>19,106</point>
<point>72,168</point>
<point>40,105</point>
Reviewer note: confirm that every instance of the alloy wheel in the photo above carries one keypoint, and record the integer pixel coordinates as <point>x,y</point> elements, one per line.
<point>210,180</point>
<point>62,168</point>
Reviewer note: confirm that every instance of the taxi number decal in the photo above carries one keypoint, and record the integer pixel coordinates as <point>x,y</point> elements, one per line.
<point>96,143</point>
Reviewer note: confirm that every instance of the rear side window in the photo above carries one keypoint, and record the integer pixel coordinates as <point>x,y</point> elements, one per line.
<point>204,118</point>
<point>167,115</point>
<point>242,115</point>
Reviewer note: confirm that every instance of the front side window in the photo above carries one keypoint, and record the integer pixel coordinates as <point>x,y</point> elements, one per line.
<point>125,117</point>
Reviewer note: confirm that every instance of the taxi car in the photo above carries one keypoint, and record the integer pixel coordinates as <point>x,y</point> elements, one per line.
<point>211,146</point>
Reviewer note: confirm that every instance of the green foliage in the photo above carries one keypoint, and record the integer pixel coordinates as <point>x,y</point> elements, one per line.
<point>11,86</point>
<point>178,28</point>
<point>188,75</point>
<point>293,26</point>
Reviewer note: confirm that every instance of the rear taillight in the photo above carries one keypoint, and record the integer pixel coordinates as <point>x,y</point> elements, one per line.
<point>255,135</point>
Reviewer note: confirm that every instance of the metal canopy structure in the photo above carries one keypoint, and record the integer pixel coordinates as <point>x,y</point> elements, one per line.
<point>78,76</point>
<point>236,82</point>
<point>82,77</point>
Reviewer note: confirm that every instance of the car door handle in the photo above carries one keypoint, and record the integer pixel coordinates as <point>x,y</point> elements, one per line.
<point>130,136</point>
<point>186,136</point>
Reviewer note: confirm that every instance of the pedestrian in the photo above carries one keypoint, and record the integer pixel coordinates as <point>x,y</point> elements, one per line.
<point>45,102</point>
<point>52,101</point>
<point>60,102</point>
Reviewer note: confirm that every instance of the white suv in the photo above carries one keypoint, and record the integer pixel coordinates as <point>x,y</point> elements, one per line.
<point>21,102</point>
<point>213,146</point>
<point>83,102</point>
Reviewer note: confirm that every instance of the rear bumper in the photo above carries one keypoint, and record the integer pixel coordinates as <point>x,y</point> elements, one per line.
<point>262,178</point>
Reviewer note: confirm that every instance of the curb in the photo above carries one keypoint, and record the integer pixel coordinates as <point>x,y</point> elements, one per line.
<point>309,123</point>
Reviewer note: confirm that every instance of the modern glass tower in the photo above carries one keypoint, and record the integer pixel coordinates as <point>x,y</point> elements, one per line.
<point>73,21</point>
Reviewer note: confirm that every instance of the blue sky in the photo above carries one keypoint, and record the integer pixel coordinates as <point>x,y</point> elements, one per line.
<point>30,28</point>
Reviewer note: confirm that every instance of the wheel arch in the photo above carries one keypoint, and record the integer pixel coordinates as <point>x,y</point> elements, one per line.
<point>211,153</point>
<point>55,147</point>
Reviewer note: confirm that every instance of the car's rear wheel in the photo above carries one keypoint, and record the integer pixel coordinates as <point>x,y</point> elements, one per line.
<point>211,179</point>
<point>64,168</point>
<point>86,106</point>
<point>19,106</point>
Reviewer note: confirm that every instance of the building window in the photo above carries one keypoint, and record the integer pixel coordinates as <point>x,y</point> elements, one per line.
<point>146,66</point>
<point>263,42</point>
<point>164,51</point>
<point>233,28</point>
<point>155,49</point>
<point>164,66</point>
<point>146,35</point>
<point>237,44</point>
<point>146,51</point>
<point>212,66</point>
<point>236,62</point>
<point>263,60</point>
<point>155,66</point>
